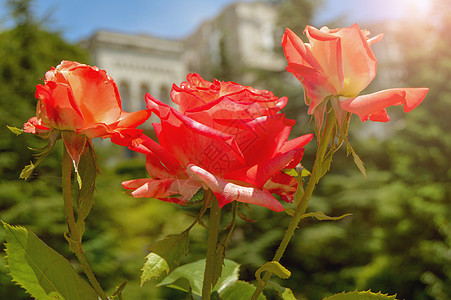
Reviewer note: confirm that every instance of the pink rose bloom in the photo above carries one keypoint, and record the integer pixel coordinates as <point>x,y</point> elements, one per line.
<point>340,63</point>
<point>225,137</point>
<point>84,100</point>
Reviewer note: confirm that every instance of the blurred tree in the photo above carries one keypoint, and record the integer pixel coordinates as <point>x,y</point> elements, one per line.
<point>399,237</point>
<point>27,51</point>
<point>296,14</point>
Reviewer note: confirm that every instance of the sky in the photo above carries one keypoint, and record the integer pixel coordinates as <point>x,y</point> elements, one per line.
<point>175,19</point>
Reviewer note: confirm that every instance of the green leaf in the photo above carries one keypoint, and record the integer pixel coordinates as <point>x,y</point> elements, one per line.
<point>239,290</point>
<point>283,292</point>
<point>319,215</point>
<point>191,276</point>
<point>15,130</point>
<point>40,270</point>
<point>273,267</point>
<point>153,267</point>
<point>165,255</point>
<point>356,295</point>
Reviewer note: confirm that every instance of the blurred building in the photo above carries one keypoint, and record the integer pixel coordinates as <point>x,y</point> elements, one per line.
<point>244,34</point>
<point>139,64</point>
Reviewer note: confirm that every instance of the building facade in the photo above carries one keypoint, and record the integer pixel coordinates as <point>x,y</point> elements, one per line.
<point>244,33</point>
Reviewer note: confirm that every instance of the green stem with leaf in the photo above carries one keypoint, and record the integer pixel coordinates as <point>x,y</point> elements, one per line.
<point>318,171</point>
<point>213,232</point>
<point>74,237</point>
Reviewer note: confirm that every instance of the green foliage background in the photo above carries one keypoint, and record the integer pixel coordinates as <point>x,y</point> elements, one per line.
<point>397,241</point>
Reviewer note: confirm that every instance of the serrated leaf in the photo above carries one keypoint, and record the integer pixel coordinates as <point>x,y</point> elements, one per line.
<point>15,130</point>
<point>319,215</point>
<point>194,274</point>
<point>40,270</point>
<point>356,295</point>
<point>273,267</point>
<point>153,267</point>
<point>239,290</point>
<point>165,255</point>
<point>283,292</point>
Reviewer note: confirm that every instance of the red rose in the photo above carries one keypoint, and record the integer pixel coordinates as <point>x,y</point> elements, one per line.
<point>340,63</point>
<point>84,100</point>
<point>225,137</point>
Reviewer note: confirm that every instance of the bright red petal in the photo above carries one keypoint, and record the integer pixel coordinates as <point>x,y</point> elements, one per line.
<point>259,174</point>
<point>190,141</point>
<point>227,192</point>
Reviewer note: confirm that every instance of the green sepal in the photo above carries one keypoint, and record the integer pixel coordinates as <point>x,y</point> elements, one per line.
<point>319,215</point>
<point>289,211</point>
<point>358,162</point>
<point>273,267</point>
<point>73,244</point>
<point>40,270</point>
<point>119,289</point>
<point>243,216</point>
<point>356,295</point>
<point>84,195</point>
<point>44,152</point>
<point>15,130</point>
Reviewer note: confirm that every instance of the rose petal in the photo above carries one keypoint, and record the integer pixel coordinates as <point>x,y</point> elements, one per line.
<point>96,93</point>
<point>190,141</point>
<point>372,105</point>
<point>359,62</point>
<point>57,106</point>
<point>227,192</point>
<point>327,50</point>
<point>259,174</point>
<point>133,119</point>
<point>283,185</point>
